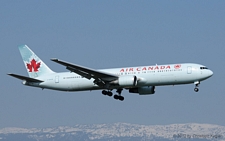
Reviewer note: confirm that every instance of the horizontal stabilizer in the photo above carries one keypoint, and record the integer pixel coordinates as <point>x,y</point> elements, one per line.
<point>28,79</point>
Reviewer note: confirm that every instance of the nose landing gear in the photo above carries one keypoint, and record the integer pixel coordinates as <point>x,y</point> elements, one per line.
<point>196,86</point>
<point>196,89</point>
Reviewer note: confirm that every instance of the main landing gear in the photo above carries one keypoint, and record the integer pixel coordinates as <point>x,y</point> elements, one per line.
<point>117,97</point>
<point>109,93</point>
<point>196,86</point>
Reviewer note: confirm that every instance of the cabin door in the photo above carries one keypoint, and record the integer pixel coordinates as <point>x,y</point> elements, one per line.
<point>189,70</point>
<point>57,79</point>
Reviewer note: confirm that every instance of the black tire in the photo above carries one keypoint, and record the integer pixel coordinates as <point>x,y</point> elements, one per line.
<point>116,97</point>
<point>121,98</point>
<point>109,93</point>
<point>104,92</point>
<point>196,89</point>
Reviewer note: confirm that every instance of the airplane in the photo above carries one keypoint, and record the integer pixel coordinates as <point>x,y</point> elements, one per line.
<point>141,80</point>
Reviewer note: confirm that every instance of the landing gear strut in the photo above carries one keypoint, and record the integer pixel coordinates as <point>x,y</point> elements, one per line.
<point>196,86</point>
<point>119,97</point>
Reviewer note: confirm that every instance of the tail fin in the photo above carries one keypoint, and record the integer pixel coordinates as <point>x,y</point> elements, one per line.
<point>34,65</point>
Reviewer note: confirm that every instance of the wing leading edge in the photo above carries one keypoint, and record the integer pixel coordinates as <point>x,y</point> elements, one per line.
<point>28,79</point>
<point>100,77</point>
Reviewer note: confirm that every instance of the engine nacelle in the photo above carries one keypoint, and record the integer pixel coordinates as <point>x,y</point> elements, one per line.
<point>127,81</point>
<point>147,90</point>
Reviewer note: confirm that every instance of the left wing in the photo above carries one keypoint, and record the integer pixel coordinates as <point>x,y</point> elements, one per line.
<point>100,77</point>
<point>28,79</point>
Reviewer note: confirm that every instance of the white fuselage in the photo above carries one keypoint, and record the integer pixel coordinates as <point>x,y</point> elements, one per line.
<point>158,75</point>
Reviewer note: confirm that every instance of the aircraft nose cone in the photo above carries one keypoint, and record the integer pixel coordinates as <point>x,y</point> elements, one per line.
<point>210,73</point>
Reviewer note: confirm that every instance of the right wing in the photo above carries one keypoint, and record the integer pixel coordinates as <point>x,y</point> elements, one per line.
<point>28,79</point>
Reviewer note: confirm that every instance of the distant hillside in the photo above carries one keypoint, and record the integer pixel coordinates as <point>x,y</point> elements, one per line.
<point>117,131</point>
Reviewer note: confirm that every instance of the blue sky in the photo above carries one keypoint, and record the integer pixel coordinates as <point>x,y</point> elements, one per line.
<point>107,34</point>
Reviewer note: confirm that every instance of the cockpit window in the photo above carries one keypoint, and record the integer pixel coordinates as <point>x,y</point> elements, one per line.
<point>202,68</point>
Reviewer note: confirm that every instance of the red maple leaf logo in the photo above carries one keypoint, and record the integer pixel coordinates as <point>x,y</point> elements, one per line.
<point>33,66</point>
<point>177,66</point>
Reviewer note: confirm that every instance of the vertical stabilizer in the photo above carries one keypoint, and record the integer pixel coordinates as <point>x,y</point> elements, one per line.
<point>34,65</point>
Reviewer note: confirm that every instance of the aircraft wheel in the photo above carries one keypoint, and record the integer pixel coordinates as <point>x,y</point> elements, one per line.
<point>104,92</point>
<point>116,97</point>
<point>196,89</point>
<point>121,98</point>
<point>109,93</point>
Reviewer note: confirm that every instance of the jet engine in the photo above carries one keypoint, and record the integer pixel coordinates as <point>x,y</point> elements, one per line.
<point>146,90</point>
<point>126,81</point>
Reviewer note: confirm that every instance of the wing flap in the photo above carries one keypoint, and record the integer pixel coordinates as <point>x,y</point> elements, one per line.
<point>86,75</point>
<point>28,79</point>
<point>86,72</point>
